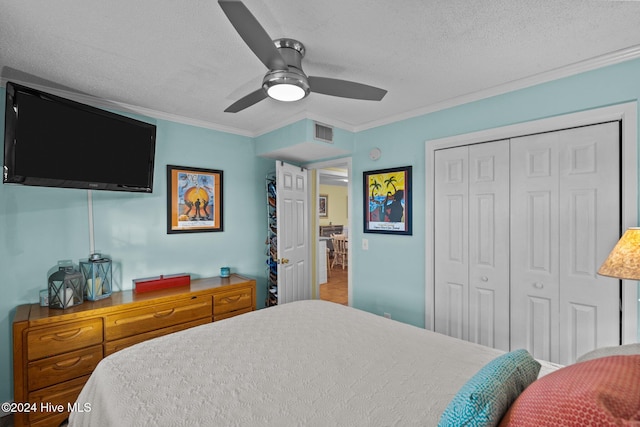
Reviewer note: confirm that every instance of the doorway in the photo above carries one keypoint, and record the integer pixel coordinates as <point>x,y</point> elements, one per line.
<point>333,188</point>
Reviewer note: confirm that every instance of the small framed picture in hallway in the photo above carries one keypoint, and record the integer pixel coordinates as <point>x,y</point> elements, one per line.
<point>323,205</point>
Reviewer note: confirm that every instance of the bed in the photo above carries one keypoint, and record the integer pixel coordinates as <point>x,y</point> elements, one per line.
<point>302,363</point>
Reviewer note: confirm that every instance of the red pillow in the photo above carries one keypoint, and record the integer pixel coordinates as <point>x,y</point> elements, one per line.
<point>598,392</point>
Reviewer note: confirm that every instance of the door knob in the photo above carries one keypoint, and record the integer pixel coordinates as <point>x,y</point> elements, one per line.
<point>538,285</point>
<point>484,278</point>
<point>284,261</point>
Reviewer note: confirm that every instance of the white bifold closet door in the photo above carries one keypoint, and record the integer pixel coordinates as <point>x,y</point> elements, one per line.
<point>565,218</point>
<point>521,227</point>
<point>472,243</point>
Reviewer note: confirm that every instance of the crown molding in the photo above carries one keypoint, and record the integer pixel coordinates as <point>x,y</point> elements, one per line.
<point>611,58</point>
<point>547,76</point>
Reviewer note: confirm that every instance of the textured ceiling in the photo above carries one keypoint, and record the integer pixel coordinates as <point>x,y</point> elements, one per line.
<point>184,60</point>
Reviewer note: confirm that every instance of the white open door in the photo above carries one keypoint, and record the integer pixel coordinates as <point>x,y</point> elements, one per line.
<point>294,250</point>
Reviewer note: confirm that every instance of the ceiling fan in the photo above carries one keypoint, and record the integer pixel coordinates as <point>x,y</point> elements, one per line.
<point>285,80</point>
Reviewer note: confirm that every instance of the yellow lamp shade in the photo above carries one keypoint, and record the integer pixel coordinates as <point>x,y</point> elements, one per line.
<point>624,260</point>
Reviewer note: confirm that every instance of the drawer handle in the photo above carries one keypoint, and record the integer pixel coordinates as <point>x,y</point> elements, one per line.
<point>232,299</point>
<point>165,313</point>
<point>68,363</point>
<point>69,335</point>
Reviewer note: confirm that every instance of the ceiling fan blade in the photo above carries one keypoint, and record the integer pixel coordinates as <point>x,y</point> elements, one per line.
<point>345,89</point>
<point>247,101</point>
<point>253,34</point>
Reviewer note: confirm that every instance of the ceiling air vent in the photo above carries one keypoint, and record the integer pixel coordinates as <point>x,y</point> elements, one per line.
<point>324,133</point>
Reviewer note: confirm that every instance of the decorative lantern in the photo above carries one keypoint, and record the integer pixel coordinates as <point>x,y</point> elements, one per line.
<point>97,274</point>
<point>66,286</point>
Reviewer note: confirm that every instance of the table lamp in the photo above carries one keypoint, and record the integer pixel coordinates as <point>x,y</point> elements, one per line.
<point>624,260</point>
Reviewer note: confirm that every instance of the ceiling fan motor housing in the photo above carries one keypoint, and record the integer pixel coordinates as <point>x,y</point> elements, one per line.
<point>292,51</point>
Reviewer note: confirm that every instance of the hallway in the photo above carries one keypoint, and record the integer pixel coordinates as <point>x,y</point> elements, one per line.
<point>336,289</point>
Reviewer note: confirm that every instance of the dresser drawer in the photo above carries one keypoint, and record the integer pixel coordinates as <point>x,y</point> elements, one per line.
<point>145,319</point>
<point>230,301</point>
<point>231,314</point>
<point>55,420</point>
<point>62,338</point>
<point>60,394</point>
<point>117,345</point>
<point>63,367</point>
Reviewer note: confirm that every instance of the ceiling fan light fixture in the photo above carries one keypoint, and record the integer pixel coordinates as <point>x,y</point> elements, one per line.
<point>286,92</point>
<point>285,86</point>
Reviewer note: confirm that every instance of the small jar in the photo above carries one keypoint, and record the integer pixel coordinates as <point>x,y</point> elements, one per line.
<point>44,298</point>
<point>225,271</point>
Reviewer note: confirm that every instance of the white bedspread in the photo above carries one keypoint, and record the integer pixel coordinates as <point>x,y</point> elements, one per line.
<point>309,363</point>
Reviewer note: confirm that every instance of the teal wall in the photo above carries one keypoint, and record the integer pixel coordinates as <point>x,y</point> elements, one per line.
<point>282,138</point>
<point>39,226</point>
<point>389,277</point>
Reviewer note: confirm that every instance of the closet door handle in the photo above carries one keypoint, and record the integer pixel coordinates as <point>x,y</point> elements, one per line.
<point>538,285</point>
<point>484,278</point>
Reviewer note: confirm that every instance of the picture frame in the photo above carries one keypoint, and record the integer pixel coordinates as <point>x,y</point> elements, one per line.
<point>323,205</point>
<point>194,200</point>
<point>387,201</point>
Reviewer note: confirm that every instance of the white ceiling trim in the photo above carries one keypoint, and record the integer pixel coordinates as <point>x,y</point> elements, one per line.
<point>547,76</point>
<point>570,70</point>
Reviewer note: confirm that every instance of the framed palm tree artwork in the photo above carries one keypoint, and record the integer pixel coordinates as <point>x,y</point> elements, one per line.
<point>387,201</point>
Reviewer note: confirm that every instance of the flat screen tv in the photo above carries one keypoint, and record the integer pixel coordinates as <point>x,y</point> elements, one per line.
<point>56,142</point>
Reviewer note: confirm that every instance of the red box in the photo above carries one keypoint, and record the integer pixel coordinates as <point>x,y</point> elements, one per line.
<point>161,282</point>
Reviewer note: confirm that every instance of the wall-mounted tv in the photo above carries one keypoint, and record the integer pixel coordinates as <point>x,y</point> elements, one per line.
<point>56,142</point>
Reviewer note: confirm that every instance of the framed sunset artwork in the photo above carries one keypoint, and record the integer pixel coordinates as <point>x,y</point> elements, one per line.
<point>194,199</point>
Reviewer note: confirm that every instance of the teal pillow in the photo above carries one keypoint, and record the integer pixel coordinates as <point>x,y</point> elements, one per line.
<point>487,396</point>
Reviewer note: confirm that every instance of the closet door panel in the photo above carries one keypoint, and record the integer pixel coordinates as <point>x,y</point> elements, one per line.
<point>451,241</point>
<point>489,244</point>
<point>565,201</point>
<point>534,245</point>
<point>537,337</point>
<point>590,213</point>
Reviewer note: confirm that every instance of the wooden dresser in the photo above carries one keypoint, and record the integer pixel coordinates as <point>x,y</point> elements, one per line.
<point>55,350</point>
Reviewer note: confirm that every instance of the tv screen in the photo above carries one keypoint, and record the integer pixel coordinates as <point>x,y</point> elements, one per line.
<point>56,142</point>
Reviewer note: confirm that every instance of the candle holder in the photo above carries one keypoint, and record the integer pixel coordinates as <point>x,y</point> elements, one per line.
<point>65,286</point>
<point>97,275</point>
